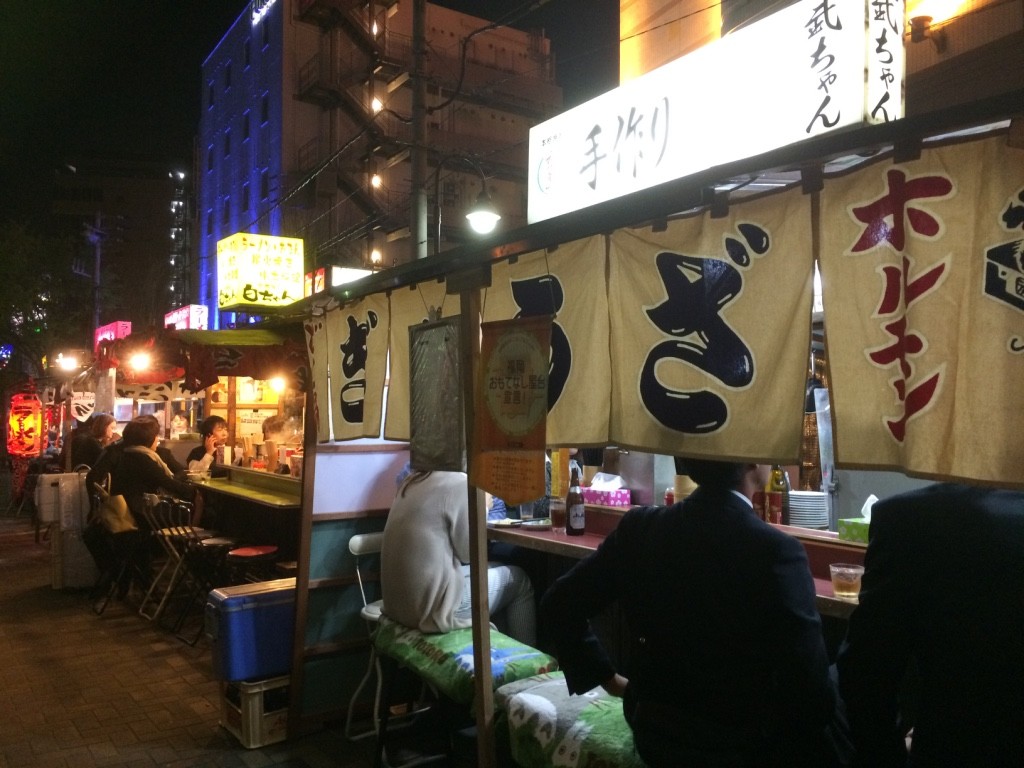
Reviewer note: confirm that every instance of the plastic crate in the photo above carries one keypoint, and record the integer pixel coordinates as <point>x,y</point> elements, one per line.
<point>256,712</point>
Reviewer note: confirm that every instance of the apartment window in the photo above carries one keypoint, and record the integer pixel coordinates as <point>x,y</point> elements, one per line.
<point>265,109</point>
<point>226,211</point>
<point>265,26</point>
<point>245,196</point>
<point>209,158</point>
<point>210,98</point>
<point>245,126</point>
<point>209,222</point>
<point>265,184</point>
<point>227,76</point>
<point>247,53</point>
<point>227,143</point>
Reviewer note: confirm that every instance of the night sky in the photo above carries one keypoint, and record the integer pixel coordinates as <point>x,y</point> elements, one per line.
<point>120,78</point>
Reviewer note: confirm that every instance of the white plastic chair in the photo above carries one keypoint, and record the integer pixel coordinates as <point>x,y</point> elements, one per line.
<point>362,546</point>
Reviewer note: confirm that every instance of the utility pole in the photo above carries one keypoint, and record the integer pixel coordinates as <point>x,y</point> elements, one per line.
<point>418,196</point>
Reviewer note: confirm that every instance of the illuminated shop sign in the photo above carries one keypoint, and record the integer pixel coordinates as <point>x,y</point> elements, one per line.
<point>190,316</point>
<point>109,332</point>
<point>811,68</point>
<point>259,271</point>
<point>261,8</point>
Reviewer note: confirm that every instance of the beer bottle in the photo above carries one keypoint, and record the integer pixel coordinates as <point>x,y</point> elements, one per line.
<point>576,520</point>
<point>776,497</point>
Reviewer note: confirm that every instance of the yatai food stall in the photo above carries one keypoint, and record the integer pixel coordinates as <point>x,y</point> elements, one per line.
<point>682,307</point>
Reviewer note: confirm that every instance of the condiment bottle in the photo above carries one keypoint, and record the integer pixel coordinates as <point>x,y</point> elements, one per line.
<point>576,518</point>
<point>776,495</point>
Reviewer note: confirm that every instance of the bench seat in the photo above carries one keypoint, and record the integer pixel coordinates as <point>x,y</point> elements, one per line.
<point>547,726</point>
<point>445,661</point>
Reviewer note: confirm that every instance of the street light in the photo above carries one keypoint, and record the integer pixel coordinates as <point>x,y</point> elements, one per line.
<point>482,217</point>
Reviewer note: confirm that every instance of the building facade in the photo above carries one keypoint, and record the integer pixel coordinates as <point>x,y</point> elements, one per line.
<point>307,129</point>
<point>131,222</point>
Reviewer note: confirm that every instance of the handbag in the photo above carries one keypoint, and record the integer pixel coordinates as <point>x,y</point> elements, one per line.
<point>113,511</point>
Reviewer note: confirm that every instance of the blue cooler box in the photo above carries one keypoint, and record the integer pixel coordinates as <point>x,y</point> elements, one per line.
<point>250,629</point>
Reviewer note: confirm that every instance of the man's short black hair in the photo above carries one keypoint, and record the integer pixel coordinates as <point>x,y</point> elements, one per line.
<point>723,475</point>
<point>210,423</point>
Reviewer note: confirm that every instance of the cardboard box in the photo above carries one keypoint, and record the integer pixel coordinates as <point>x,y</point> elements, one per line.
<point>854,529</point>
<point>616,498</point>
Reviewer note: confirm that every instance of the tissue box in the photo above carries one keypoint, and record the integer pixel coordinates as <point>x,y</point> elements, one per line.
<point>854,529</point>
<point>616,498</point>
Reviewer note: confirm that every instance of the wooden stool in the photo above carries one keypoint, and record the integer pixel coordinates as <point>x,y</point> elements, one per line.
<point>253,563</point>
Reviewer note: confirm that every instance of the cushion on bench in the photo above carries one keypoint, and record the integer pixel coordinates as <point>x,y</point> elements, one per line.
<point>445,660</point>
<point>548,726</point>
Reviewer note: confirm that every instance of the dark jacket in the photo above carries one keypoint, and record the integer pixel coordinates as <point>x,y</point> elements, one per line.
<point>942,594</point>
<point>729,665</point>
<point>137,474</point>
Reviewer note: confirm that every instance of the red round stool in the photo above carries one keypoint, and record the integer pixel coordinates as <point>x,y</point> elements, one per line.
<point>254,563</point>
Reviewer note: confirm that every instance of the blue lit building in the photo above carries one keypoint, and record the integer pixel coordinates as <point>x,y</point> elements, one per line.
<point>305,129</point>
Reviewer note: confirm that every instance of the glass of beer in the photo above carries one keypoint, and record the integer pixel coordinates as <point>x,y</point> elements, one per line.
<point>846,580</point>
<point>556,508</point>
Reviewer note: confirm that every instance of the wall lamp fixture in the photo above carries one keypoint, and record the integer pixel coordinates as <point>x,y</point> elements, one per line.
<point>921,29</point>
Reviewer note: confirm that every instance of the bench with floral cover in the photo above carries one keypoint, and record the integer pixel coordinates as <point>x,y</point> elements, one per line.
<point>547,726</point>
<point>445,661</point>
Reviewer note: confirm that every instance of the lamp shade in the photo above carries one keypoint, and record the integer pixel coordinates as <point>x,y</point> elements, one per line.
<point>483,217</point>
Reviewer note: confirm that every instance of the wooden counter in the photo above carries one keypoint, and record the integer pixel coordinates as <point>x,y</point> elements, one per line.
<point>823,547</point>
<point>257,508</point>
<point>265,488</point>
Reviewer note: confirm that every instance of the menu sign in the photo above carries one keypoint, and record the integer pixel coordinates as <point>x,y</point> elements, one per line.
<point>511,409</point>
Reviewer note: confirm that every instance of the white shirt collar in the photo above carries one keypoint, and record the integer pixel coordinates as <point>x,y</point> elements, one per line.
<point>746,501</point>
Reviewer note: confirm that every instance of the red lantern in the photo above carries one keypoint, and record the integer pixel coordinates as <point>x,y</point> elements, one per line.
<point>25,426</point>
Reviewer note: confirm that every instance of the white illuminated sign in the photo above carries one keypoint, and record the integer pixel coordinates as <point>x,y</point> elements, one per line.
<point>261,8</point>
<point>257,271</point>
<point>190,316</point>
<point>342,275</point>
<point>808,69</point>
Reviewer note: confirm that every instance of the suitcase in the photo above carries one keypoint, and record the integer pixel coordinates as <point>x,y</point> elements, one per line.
<point>63,499</point>
<point>250,629</point>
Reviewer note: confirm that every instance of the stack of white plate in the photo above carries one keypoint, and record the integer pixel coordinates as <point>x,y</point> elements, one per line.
<point>808,509</point>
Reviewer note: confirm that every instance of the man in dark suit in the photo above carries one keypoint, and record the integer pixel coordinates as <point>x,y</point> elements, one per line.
<point>942,596</point>
<point>728,662</point>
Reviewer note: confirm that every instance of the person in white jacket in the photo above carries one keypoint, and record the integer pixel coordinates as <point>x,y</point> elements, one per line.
<point>424,563</point>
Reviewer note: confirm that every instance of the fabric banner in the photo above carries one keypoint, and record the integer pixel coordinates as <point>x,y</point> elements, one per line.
<point>410,306</point>
<point>510,409</point>
<point>316,350</point>
<point>570,284</point>
<point>159,393</point>
<point>357,359</point>
<point>710,328</point>
<point>923,282</point>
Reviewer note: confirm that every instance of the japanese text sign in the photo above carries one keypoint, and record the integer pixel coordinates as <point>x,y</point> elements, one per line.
<point>259,271</point>
<point>923,276</point>
<point>813,67</point>
<point>193,316</point>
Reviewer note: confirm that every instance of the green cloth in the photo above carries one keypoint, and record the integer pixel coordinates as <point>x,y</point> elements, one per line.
<point>446,660</point>
<point>549,726</point>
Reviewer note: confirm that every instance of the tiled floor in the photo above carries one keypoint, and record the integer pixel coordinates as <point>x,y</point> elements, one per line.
<point>80,690</point>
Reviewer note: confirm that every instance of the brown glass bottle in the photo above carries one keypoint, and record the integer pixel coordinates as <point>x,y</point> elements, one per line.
<point>575,518</point>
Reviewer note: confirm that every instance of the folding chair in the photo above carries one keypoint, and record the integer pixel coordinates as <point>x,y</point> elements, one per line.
<point>363,546</point>
<point>365,549</point>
